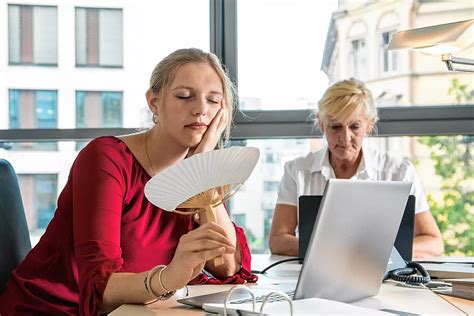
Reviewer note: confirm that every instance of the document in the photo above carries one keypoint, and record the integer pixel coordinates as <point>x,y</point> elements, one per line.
<point>311,306</point>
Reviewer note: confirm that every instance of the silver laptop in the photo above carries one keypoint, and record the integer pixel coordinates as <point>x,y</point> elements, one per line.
<point>351,243</point>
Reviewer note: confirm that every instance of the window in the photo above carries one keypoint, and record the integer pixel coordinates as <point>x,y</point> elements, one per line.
<point>240,219</point>
<point>33,109</point>
<point>358,59</point>
<point>388,59</point>
<point>98,109</point>
<point>99,37</point>
<point>276,70</point>
<point>272,157</point>
<point>39,193</point>
<point>32,35</point>
<point>447,183</point>
<point>267,226</point>
<point>280,47</point>
<point>271,185</point>
<point>259,198</point>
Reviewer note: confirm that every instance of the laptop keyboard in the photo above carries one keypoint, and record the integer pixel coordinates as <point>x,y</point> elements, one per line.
<point>274,298</point>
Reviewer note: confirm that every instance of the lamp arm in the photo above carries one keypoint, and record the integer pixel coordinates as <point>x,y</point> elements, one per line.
<point>450,62</point>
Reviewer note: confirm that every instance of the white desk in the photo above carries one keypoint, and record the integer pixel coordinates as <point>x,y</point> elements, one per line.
<point>391,296</point>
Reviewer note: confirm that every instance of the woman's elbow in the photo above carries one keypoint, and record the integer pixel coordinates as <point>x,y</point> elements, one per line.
<point>439,246</point>
<point>272,243</point>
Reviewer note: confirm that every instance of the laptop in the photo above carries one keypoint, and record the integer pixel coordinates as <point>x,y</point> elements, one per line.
<point>348,249</point>
<point>308,207</point>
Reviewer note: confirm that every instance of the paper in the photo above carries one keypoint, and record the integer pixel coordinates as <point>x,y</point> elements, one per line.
<point>311,306</point>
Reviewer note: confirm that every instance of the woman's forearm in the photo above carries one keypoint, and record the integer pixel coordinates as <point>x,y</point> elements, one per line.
<point>127,288</point>
<point>427,246</point>
<point>284,244</point>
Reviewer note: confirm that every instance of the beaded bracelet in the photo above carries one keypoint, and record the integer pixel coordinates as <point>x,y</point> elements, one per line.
<point>149,288</point>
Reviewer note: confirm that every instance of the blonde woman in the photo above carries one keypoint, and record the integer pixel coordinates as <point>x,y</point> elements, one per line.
<point>107,244</point>
<point>347,114</point>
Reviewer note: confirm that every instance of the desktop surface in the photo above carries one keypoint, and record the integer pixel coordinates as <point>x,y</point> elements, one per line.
<point>391,296</point>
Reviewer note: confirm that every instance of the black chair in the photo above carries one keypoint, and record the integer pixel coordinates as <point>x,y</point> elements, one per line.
<point>14,236</point>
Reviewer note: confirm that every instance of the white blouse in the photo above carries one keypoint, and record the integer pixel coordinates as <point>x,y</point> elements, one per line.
<point>308,175</point>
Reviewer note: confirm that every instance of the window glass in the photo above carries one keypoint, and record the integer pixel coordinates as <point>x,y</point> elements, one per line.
<point>45,192</point>
<point>112,109</point>
<point>33,109</point>
<point>443,164</point>
<point>98,109</point>
<point>258,195</point>
<point>99,37</point>
<point>46,105</point>
<point>358,61</point>
<point>389,61</point>
<point>280,47</point>
<point>32,34</point>
<point>39,195</point>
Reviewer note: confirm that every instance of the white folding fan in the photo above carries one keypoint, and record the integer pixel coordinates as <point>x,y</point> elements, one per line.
<point>202,181</point>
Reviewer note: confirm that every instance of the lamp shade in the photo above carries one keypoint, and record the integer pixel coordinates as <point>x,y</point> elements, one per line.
<point>436,39</point>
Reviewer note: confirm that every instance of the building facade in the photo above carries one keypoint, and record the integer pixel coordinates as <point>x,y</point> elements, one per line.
<point>356,46</point>
<point>81,64</point>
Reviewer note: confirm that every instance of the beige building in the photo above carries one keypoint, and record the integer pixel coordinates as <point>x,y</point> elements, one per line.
<point>356,43</point>
<point>360,32</point>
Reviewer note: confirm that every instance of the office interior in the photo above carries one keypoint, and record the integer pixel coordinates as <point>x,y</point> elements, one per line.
<point>71,71</point>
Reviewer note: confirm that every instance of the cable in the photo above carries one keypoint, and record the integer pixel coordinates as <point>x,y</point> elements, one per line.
<point>409,276</point>
<point>275,264</point>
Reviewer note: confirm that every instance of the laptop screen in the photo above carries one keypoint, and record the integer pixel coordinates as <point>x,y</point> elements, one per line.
<point>308,211</point>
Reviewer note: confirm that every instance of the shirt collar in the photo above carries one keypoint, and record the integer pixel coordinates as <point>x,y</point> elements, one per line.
<point>321,163</point>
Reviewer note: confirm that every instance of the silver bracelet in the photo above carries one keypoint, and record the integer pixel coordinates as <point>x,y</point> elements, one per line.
<point>149,288</point>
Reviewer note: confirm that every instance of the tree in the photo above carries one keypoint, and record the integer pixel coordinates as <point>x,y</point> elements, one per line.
<point>454,212</point>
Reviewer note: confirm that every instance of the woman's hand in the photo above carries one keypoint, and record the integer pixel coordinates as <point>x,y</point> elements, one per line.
<point>194,249</point>
<point>213,133</point>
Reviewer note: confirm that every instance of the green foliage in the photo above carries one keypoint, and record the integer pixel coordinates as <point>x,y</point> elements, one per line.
<point>454,212</point>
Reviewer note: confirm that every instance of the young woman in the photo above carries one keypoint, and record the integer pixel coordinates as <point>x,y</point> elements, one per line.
<point>347,114</point>
<point>107,244</point>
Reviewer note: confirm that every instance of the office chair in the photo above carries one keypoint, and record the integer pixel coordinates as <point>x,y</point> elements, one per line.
<point>14,236</point>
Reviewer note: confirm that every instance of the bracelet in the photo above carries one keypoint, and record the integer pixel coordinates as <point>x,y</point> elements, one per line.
<point>160,280</point>
<point>149,288</point>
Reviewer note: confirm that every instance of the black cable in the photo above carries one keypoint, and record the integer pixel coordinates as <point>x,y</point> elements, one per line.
<point>409,276</point>
<point>275,264</point>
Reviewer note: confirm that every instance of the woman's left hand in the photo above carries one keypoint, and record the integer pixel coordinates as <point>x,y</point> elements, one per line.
<point>213,133</point>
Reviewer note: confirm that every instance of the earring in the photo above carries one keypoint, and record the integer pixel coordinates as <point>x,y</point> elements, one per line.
<point>154,118</point>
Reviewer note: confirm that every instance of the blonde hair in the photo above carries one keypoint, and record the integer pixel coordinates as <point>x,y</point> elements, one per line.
<point>165,71</point>
<point>345,100</point>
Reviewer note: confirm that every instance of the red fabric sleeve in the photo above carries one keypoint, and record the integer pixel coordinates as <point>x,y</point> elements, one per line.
<point>98,190</point>
<point>244,275</point>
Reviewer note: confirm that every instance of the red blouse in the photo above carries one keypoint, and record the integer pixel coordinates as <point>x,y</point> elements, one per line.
<point>103,224</point>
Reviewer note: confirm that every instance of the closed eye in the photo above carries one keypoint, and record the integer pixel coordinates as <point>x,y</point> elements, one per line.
<point>182,97</point>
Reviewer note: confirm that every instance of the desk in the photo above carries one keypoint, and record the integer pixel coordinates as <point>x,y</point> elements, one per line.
<point>391,295</point>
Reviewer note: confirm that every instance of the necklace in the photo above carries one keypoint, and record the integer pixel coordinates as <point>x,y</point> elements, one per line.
<point>146,151</point>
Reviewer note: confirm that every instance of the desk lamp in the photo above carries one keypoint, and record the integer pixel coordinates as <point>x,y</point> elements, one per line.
<point>442,39</point>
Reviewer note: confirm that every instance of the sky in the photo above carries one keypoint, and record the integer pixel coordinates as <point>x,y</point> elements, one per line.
<point>281,45</point>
